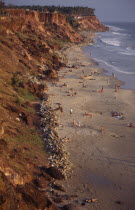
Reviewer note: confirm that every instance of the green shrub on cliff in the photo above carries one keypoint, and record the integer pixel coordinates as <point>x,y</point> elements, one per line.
<point>15,80</point>
<point>72,22</point>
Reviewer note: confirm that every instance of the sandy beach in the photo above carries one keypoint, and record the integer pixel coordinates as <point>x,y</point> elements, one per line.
<point>100,146</point>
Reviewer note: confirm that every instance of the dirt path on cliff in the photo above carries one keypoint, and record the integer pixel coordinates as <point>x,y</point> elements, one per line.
<point>103,162</point>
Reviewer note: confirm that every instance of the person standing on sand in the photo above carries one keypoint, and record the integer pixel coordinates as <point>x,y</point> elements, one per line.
<point>79,124</point>
<point>71,111</point>
<point>101,90</point>
<point>117,87</point>
<point>74,123</point>
<point>113,75</point>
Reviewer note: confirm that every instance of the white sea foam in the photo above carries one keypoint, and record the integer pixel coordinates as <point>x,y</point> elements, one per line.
<point>112,41</point>
<point>128,51</point>
<point>114,28</point>
<point>121,34</point>
<point>131,48</point>
<point>114,68</point>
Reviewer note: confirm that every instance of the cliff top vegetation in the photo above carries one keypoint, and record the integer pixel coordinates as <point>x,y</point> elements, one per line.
<point>82,11</point>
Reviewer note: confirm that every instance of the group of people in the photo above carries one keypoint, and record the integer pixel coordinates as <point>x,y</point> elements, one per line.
<point>117,115</point>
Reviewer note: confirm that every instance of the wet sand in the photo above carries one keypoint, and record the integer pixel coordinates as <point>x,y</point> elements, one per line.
<point>103,163</point>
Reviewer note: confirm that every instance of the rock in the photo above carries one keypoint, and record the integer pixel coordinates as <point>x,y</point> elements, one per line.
<point>55,173</point>
<point>58,200</point>
<point>34,197</point>
<point>118,202</point>
<point>3,144</point>
<point>71,207</point>
<point>58,187</point>
<point>17,119</point>
<point>52,172</point>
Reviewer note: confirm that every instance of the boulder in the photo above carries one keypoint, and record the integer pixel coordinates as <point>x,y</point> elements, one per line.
<point>71,207</point>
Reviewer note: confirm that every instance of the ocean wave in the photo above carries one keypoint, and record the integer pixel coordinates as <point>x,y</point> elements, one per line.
<point>114,42</point>
<point>114,68</point>
<point>131,48</point>
<point>114,28</point>
<point>116,33</point>
<point>128,51</point>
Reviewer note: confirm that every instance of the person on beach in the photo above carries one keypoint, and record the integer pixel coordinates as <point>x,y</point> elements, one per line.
<point>84,86</point>
<point>83,71</point>
<point>91,73</point>
<point>79,124</point>
<point>130,125</point>
<point>87,114</point>
<point>101,90</point>
<point>102,130</point>
<point>71,111</point>
<point>117,87</point>
<point>65,85</point>
<point>74,123</point>
<point>113,74</point>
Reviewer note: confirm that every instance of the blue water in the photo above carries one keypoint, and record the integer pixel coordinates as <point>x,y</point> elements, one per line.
<point>115,52</point>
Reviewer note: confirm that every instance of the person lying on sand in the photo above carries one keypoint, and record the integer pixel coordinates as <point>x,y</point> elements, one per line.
<point>118,115</point>
<point>64,85</point>
<point>72,89</point>
<point>115,114</point>
<point>70,95</point>
<point>87,114</point>
<point>102,130</point>
<point>75,124</point>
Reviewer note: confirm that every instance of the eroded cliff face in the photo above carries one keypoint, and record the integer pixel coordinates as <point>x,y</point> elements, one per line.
<point>49,24</point>
<point>26,54</point>
<point>50,18</point>
<point>28,41</point>
<point>91,23</point>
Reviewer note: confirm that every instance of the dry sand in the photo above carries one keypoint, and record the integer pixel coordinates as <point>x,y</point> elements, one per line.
<point>103,163</point>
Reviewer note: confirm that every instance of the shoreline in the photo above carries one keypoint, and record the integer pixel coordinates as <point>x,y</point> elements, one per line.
<point>94,176</point>
<point>125,76</point>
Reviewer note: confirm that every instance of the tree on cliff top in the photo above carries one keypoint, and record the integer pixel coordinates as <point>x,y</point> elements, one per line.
<point>77,10</point>
<point>2,5</point>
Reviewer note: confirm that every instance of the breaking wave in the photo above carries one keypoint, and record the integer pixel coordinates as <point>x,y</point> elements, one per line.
<point>121,34</point>
<point>114,68</point>
<point>112,41</point>
<point>114,28</point>
<point>128,51</point>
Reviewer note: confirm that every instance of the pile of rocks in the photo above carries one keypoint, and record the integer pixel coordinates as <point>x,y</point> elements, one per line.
<point>54,144</point>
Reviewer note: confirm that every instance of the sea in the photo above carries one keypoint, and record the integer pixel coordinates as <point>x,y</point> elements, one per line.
<point>114,51</point>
